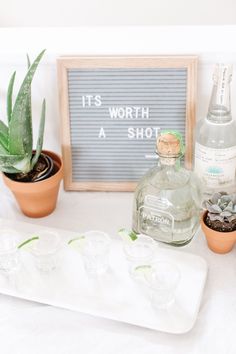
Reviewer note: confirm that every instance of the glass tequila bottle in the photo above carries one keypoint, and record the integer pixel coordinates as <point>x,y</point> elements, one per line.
<point>215,147</point>
<point>166,200</point>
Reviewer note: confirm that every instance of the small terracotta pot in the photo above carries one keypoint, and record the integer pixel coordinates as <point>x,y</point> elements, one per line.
<point>218,242</point>
<point>38,199</point>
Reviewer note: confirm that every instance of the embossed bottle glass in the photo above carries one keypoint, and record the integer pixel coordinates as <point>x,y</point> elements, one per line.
<point>166,199</point>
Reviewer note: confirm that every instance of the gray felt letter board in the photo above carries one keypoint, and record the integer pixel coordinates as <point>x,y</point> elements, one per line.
<point>112,110</point>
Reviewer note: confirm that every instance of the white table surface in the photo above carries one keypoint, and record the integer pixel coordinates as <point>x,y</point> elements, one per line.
<point>32,328</point>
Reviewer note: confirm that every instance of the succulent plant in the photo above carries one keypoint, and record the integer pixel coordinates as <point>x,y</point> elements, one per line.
<point>221,206</point>
<point>16,139</point>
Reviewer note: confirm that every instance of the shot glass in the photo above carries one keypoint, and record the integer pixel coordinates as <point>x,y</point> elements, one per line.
<point>95,252</point>
<point>140,254</point>
<point>163,279</point>
<point>46,250</point>
<point>9,254</point>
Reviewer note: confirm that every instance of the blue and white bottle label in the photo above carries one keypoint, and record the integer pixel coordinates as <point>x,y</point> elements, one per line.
<point>215,167</point>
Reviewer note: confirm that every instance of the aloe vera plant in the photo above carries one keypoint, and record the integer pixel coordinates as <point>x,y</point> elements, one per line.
<point>16,138</point>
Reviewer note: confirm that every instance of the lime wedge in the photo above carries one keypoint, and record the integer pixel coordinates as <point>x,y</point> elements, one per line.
<point>142,269</point>
<point>26,242</point>
<point>77,242</point>
<point>127,235</point>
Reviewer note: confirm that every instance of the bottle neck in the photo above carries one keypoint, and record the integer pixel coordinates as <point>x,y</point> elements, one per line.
<point>169,162</point>
<point>219,111</point>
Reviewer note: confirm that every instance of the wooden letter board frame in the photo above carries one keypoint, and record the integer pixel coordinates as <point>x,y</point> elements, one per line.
<point>64,64</point>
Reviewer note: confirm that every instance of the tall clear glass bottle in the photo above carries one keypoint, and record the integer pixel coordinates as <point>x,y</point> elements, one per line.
<point>215,146</point>
<point>166,200</point>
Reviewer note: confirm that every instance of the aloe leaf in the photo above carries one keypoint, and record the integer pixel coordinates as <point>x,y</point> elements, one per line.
<point>9,97</point>
<point>3,128</point>
<point>28,61</point>
<point>29,114</point>
<point>40,136</point>
<point>3,150</point>
<point>9,170</point>
<point>11,163</point>
<point>3,135</point>
<point>20,137</point>
<point>3,141</point>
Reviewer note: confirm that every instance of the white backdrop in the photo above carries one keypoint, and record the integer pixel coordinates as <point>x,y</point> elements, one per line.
<point>116,12</point>
<point>211,43</point>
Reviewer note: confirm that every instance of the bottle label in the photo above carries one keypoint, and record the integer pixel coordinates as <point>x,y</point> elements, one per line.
<point>215,167</point>
<point>153,216</point>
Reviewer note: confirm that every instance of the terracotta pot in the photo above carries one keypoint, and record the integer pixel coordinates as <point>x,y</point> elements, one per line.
<point>218,242</point>
<point>38,199</point>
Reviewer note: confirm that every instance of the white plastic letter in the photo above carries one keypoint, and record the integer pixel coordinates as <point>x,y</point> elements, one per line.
<point>156,129</point>
<point>131,134</point>
<point>129,113</point>
<point>121,113</point>
<point>98,100</point>
<point>148,132</point>
<point>139,133</point>
<point>89,98</point>
<point>113,112</point>
<point>145,112</point>
<point>102,133</point>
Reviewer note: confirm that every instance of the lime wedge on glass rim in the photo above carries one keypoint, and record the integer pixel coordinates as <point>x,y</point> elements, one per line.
<point>142,269</point>
<point>25,244</point>
<point>77,242</point>
<point>127,235</point>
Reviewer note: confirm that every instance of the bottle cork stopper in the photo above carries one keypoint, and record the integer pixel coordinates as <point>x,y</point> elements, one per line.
<point>168,145</point>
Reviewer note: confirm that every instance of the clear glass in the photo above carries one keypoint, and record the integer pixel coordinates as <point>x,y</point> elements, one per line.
<point>9,254</point>
<point>220,106</point>
<point>166,203</point>
<point>163,279</point>
<point>46,250</point>
<point>95,252</point>
<point>215,147</point>
<point>140,254</point>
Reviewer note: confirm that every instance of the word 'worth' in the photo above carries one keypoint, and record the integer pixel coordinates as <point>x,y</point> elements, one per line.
<point>123,113</point>
<point>117,112</point>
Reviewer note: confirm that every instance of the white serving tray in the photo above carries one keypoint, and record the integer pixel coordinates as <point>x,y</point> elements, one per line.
<point>113,295</point>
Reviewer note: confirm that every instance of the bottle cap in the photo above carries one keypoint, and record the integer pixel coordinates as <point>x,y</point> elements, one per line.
<point>170,144</point>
